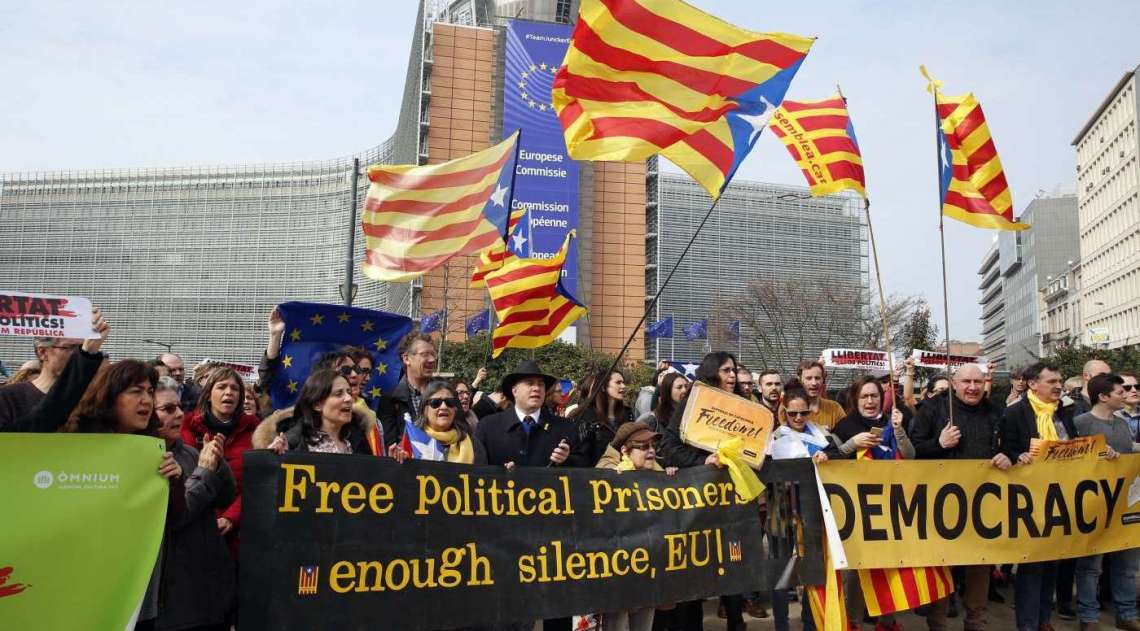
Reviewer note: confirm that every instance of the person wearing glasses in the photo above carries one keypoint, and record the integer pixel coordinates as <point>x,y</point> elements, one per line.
<point>637,445</point>
<point>323,420</point>
<point>1131,411</point>
<point>404,403</point>
<point>441,432</point>
<point>67,367</point>
<point>198,576</point>
<point>466,394</point>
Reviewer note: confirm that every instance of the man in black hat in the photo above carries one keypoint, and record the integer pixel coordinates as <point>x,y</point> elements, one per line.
<point>526,434</point>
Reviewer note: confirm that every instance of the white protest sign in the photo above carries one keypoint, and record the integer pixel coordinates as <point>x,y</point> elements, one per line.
<point>43,315</point>
<point>857,359</point>
<point>247,372</point>
<point>934,359</point>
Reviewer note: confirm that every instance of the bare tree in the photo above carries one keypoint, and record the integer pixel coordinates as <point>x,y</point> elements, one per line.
<point>783,322</point>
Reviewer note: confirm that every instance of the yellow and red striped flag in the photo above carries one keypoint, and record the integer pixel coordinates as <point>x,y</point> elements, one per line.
<point>826,601</point>
<point>971,179</point>
<point>821,139</point>
<point>643,77</point>
<point>531,304</point>
<point>418,217</point>
<point>495,256</point>
<point>900,589</point>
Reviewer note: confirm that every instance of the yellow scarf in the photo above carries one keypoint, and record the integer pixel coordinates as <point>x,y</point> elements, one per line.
<point>1046,430</point>
<point>744,479</point>
<point>627,465</point>
<point>460,451</point>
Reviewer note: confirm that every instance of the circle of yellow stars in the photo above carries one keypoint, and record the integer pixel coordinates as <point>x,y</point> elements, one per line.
<point>530,72</point>
<point>344,318</point>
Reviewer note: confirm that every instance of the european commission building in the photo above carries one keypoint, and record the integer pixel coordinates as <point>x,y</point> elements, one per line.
<point>195,257</point>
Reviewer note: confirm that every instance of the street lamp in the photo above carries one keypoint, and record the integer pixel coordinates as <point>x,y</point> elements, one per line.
<point>169,347</point>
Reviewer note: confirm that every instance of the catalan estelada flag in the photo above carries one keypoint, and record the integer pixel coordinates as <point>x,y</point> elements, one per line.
<point>493,257</point>
<point>826,601</point>
<point>643,77</point>
<point>900,589</point>
<point>418,217</point>
<point>821,139</point>
<point>971,179</point>
<point>531,303</point>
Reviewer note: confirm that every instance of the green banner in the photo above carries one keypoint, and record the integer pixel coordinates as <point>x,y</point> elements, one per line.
<point>83,519</point>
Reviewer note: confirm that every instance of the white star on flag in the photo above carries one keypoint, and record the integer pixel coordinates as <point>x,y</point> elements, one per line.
<point>428,450</point>
<point>498,195</point>
<point>758,121</point>
<point>519,240</point>
<point>690,370</point>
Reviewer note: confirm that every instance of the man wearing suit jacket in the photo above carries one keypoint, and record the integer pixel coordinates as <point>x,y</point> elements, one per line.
<point>1039,414</point>
<point>526,434</point>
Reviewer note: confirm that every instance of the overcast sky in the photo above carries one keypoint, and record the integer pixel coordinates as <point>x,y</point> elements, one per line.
<point>144,84</point>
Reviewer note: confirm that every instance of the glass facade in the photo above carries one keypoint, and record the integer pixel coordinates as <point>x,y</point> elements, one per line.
<point>758,232</point>
<point>196,257</point>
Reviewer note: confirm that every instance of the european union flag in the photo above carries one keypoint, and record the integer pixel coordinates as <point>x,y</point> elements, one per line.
<point>660,329</point>
<point>479,322</point>
<point>313,329</point>
<point>433,322</point>
<point>733,330</point>
<point>698,330</point>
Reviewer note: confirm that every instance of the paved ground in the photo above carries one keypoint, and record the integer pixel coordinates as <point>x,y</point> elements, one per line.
<point>1000,619</point>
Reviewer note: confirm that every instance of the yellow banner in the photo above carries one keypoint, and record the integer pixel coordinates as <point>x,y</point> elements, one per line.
<point>713,416</point>
<point>965,512</point>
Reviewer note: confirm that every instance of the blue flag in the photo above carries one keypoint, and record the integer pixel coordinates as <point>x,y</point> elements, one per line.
<point>660,329</point>
<point>733,330</point>
<point>688,369</point>
<point>698,330</point>
<point>433,322</point>
<point>313,329</point>
<point>479,322</point>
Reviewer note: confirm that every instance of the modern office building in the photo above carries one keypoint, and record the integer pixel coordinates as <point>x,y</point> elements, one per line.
<point>1108,190</point>
<point>762,234</point>
<point>1028,260</point>
<point>993,307</point>
<point>194,258</point>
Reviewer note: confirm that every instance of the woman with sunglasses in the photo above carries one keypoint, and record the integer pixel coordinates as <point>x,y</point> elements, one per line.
<point>440,432</point>
<point>323,420</point>
<point>220,411</point>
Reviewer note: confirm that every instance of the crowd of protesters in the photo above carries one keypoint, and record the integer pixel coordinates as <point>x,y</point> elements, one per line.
<point>210,419</point>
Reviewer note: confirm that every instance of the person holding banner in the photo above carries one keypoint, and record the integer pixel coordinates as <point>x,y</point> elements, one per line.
<point>1107,395</point>
<point>975,434</point>
<point>121,401</point>
<point>718,370</point>
<point>325,419</point>
<point>219,411</point>
<point>199,580</point>
<point>866,433</point>
<point>1038,415</point>
<point>441,432</point>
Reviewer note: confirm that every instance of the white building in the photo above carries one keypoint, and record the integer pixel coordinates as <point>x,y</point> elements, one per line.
<point>1108,202</point>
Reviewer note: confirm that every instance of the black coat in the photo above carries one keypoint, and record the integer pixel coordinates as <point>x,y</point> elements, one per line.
<point>674,452</point>
<point>596,434</point>
<point>980,424</point>
<point>53,410</point>
<point>1020,425</point>
<point>394,408</point>
<point>199,581</point>
<point>504,440</point>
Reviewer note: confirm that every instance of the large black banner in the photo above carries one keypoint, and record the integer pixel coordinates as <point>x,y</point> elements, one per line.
<point>349,542</point>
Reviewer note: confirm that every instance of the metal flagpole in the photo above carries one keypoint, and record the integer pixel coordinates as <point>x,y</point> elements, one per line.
<point>443,339</point>
<point>942,235</point>
<point>672,339</point>
<point>348,272</point>
<point>879,282</point>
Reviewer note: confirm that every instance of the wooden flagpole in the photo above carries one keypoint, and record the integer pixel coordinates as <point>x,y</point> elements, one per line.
<point>932,87</point>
